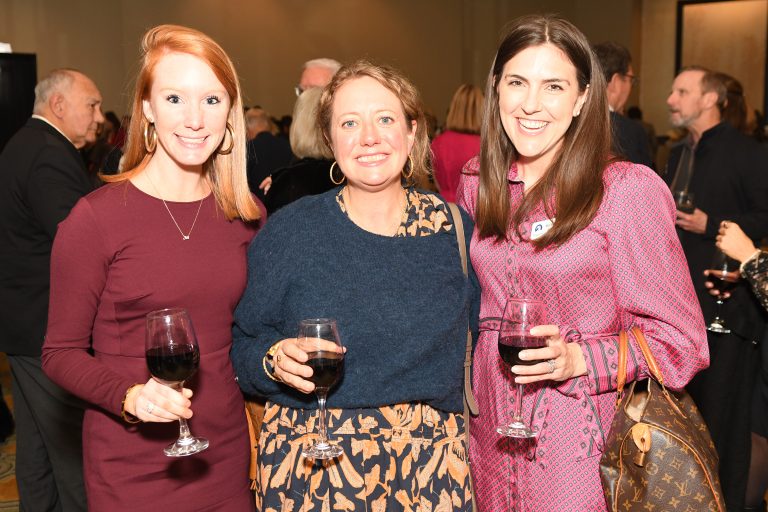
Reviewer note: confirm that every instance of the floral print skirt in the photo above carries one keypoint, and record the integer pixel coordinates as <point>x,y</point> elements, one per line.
<point>408,457</point>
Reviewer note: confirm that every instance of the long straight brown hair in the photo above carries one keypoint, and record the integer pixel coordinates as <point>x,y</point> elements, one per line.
<point>572,188</point>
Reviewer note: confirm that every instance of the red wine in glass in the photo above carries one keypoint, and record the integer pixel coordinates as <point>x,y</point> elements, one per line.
<point>511,346</point>
<point>173,356</point>
<point>175,365</point>
<point>520,316</point>
<point>722,281</point>
<point>326,368</point>
<point>723,274</point>
<point>319,338</point>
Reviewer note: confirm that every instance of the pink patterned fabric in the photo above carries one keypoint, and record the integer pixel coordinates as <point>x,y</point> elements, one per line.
<point>626,268</point>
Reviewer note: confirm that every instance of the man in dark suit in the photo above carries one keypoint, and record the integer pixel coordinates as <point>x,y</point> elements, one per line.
<point>629,138</point>
<point>727,172</point>
<point>42,176</point>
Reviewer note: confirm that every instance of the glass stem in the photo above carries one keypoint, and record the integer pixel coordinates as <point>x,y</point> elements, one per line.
<point>321,416</point>
<point>718,310</point>
<point>185,437</point>
<point>518,415</point>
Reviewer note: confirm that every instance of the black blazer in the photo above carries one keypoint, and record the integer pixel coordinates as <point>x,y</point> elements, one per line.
<point>630,140</point>
<point>42,176</point>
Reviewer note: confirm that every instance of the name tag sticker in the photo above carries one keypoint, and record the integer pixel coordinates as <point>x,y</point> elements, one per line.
<point>539,229</point>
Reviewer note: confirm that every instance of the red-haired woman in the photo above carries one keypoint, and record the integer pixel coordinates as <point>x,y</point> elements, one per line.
<point>171,230</point>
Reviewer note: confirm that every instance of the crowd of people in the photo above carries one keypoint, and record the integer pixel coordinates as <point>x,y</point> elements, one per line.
<point>562,200</point>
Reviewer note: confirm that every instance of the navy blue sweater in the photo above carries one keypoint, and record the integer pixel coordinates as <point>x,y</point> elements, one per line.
<point>401,304</point>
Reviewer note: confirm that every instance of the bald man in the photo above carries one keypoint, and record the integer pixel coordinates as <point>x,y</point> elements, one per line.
<point>42,176</point>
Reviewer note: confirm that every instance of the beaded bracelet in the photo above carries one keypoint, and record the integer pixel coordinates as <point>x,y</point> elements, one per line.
<point>128,417</point>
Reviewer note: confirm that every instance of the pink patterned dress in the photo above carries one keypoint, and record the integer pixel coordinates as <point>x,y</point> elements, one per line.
<point>626,268</point>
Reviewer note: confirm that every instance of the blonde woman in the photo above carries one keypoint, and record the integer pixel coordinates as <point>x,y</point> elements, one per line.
<point>460,141</point>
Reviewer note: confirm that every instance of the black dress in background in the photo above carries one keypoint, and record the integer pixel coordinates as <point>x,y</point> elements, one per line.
<point>305,177</point>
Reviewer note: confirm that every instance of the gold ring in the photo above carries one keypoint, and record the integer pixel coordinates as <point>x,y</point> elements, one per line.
<point>277,358</point>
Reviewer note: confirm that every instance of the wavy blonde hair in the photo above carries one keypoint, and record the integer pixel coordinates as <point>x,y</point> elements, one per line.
<point>410,100</point>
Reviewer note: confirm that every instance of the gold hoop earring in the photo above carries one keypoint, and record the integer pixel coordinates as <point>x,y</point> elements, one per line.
<point>331,175</point>
<point>410,169</point>
<point>231,141</point>
<point>150,141</point>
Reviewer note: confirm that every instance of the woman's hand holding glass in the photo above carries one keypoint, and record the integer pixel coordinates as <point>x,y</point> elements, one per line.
<point>732,240</point>
<point>155,402</point>
<point>560,360</point>
<point>289,363</point>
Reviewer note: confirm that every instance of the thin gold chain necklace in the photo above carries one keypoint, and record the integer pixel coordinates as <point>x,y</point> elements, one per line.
<point>199,207</point>
<point>403,214</point>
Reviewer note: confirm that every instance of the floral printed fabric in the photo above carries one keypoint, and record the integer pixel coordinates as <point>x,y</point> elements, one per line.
<point>408,457</point>
<point>756,272</point>
<point>424,214</point>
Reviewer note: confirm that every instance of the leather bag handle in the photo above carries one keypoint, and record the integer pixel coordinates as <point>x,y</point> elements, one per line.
<point>653,367</point>
<point>621,377</point>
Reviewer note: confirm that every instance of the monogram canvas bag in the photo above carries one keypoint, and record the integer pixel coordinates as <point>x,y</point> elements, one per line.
<point>659,455</point>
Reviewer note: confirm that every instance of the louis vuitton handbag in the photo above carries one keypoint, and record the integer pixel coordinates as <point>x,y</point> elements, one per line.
<point>659,455</point>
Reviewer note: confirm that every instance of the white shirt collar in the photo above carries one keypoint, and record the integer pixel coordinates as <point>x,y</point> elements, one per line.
<point>41,118</point>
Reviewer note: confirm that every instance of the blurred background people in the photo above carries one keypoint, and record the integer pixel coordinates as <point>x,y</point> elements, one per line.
<point>650,131</point>
<point>309,174</point>
<point>146,241</point>
<point>754,269</point>
<point>629,139</point>
<point>725,171</point>
<point>316,73</point>
<point>42,176</point>
<point>266,151</point>
<point>460,141</point>
<point>350,254</point>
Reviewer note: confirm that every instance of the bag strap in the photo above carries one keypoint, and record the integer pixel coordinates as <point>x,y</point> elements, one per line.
<point>621,377</point>
<point>470,405</point>
<point>653,367</point>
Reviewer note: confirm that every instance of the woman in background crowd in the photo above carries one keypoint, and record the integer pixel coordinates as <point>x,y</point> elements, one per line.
<point>310,174</point>
<point>732,240</point>
<point>382,259</point>
<point>560,222</point>
<point>460,141</point>
<point>147,241</point>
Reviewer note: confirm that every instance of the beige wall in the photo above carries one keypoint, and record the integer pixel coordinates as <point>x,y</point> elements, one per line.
<point>438,43</point>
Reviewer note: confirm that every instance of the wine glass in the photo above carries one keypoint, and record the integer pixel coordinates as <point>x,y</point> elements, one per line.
<point>684,201</point>
<point>520,315</point>
<point>723,275</point>
<point>319,338</point>
<point>173,357</point>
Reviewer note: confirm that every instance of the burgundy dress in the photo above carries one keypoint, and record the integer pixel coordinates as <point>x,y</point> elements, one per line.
<point>117,257</point>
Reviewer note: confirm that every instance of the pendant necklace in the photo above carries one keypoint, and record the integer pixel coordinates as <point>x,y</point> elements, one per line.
<point>183,236</point>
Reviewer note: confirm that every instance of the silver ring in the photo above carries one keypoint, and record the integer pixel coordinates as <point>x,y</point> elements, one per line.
<point>150,407</point>
<point>551,363</point>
